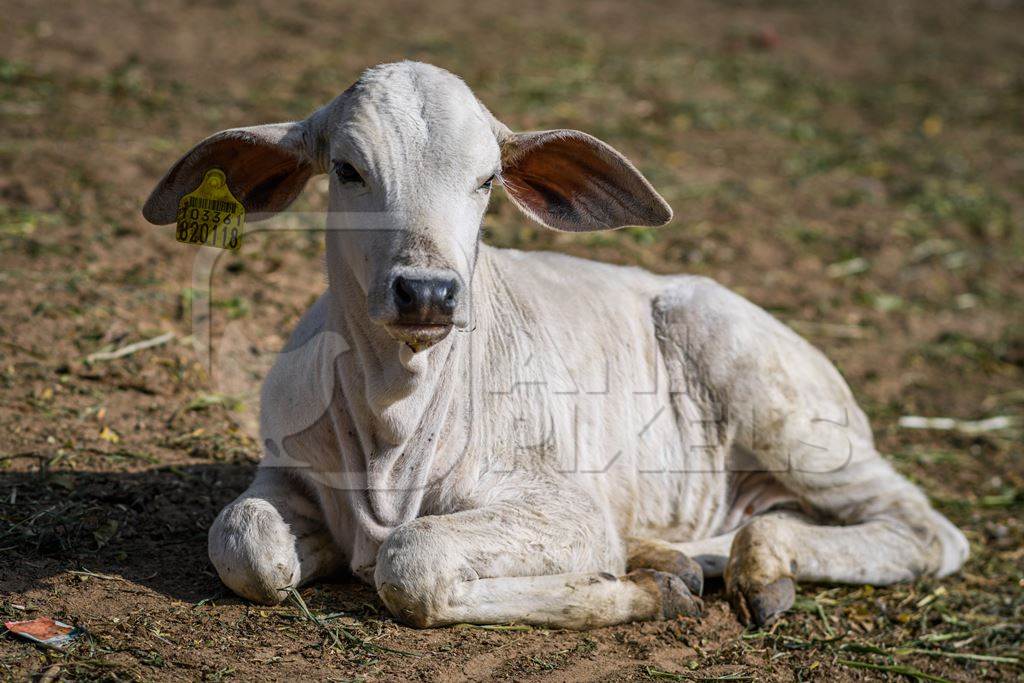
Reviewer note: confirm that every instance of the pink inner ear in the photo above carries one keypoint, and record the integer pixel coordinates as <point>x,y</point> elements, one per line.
<point>571,181</point>
<point>264,176</point>
<point>552,180</point>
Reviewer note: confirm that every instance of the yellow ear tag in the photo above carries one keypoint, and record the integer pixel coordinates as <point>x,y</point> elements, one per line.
<point>210,215</point>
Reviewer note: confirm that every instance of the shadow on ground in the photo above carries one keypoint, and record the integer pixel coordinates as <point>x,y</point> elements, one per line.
<point>148,527</point>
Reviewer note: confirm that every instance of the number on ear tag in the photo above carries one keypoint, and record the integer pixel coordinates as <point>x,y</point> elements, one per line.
<point>210,215</point>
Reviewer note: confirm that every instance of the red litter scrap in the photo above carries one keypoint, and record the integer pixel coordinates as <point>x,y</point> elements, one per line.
<point>45,631</point>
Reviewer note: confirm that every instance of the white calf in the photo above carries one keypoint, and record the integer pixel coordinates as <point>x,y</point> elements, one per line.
<point>495,436</point>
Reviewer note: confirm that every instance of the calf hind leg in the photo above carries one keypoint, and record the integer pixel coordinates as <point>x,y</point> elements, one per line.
<point>773,550</point>
<point>271,538</point>
<point>767,391</point>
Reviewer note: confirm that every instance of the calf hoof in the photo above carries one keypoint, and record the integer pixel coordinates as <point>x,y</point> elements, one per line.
<point>690,572</point>
<point>761,605</point>
<point>673,597</point>
<point>652,556</point>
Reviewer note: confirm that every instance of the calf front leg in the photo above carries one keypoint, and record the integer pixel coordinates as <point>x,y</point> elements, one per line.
<point>271,538</point>
<point>548,560</point>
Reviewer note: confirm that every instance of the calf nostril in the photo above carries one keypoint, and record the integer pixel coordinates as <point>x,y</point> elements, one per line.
<point>449,290</point>
<point>405,295</point>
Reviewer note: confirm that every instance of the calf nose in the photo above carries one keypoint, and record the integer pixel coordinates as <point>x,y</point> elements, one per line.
<point>425,301</point>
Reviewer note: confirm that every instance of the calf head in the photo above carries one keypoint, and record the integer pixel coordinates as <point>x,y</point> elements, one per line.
<point>412,157</point>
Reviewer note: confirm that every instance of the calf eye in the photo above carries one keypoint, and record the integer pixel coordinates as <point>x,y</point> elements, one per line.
<point>486,186</point>
<point>347,173</point>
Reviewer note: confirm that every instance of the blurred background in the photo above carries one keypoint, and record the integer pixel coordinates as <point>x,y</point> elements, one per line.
<point>855,168</point>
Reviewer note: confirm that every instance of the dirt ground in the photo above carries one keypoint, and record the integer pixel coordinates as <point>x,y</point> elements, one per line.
<point>855,168</point>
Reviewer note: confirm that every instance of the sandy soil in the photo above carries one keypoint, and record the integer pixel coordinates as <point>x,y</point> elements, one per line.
<point>856,170</point>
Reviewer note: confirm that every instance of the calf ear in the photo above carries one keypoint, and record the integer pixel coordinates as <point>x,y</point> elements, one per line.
<point>572,181</point>
<point>266,168</point>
